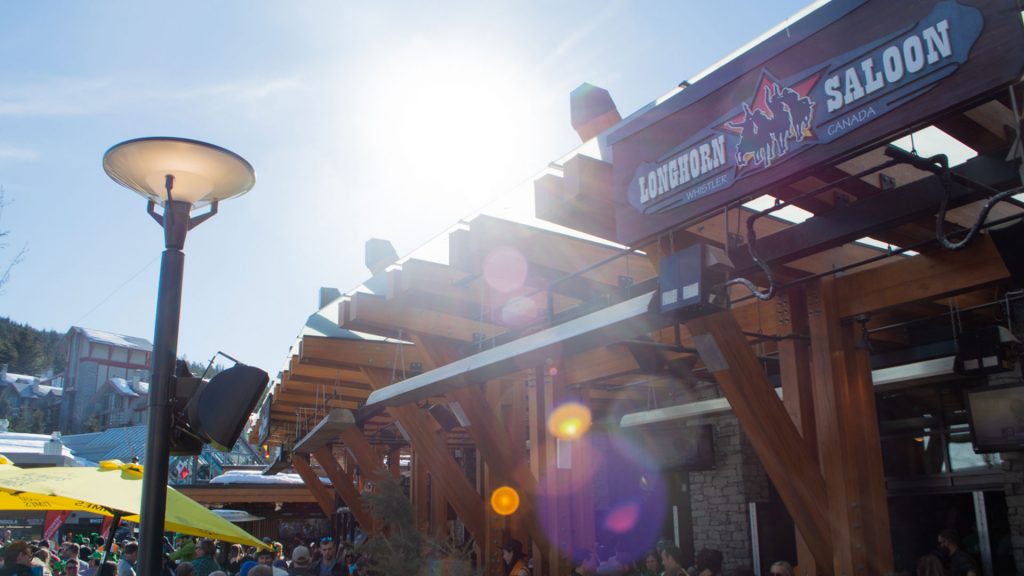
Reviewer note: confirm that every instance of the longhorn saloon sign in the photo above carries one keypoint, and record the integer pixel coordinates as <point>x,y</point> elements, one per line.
<point>743,128</point>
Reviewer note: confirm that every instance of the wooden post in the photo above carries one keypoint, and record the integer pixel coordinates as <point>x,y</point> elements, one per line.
<point>344,485</point>
<point>454,485</point>
<point>395,461</point>
<point>875,506</point>
<point>324,497</point>
<point>795,371</point>
<point>371,467</point>
<point>837,418</point>
<point>420,498</point>
<point>771,432</point>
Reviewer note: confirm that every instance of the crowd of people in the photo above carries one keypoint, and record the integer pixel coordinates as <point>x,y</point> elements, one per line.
<point>184,556</point>
<point>187,556</point>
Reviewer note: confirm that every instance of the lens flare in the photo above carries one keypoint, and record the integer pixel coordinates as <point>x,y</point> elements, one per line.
<point>623,518</point>
<point>504,500</point>
<point>505,269</point>
<point>570,421</point>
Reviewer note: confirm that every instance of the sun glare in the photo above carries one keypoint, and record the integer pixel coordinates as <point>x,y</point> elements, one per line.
<point>452,117</point>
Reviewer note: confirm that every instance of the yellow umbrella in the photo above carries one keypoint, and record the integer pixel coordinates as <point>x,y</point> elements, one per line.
<point>113,488</point>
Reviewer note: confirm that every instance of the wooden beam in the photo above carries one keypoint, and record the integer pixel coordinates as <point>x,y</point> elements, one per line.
<point>324,497</point>
<point>598,363</point>
<point>507,460</point>
<point>775,439</point>
<point>344,485</point>
<point>797,386</point>
<point>867,447</point>
<point>354,354</point>
<point>314,386</point>
<point>325,432</point>
<point>456,487</point>
<point>370,464</point>
<point>338,375</point>
<point>543,248</point>
<point>839,422</point>
<point>229,494</point>
<point>923,277</point>
<point>418,492</point>
<point>369,312</point>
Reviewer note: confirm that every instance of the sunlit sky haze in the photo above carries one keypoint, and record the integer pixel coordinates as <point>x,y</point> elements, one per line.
<point>388,119</point>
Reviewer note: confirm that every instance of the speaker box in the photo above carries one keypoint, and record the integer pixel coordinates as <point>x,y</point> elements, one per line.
<point>1009,241</point>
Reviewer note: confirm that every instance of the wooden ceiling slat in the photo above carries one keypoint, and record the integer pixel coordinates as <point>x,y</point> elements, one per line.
<point>369,312</point>
<point>543,248</point>
<point>355,353</point>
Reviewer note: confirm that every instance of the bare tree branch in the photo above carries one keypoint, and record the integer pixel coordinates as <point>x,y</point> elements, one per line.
<point>5,276</point>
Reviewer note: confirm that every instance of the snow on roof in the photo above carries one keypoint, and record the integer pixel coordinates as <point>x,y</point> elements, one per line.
<point>111,444</point>
<point>22,443</point>
<point>112,339</point>
<point>122,387</point>
<point>32,389</point>
<point>12,378</point>
<point>257,477</point>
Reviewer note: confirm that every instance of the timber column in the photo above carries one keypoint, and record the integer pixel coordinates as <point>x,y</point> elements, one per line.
<point>848,443</point>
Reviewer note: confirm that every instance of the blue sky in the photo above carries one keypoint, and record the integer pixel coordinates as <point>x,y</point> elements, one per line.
<point>362,119</point>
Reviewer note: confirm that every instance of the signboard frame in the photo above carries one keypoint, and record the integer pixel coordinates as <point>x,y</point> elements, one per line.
<point>859,73</point>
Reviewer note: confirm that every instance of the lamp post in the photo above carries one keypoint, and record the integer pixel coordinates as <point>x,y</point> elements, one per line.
<point>179,175</point>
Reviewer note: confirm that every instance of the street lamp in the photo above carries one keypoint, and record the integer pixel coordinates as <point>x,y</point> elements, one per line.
<point>179,175</point>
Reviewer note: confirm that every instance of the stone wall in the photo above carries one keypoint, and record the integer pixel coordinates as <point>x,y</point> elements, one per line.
<point>719,498</point>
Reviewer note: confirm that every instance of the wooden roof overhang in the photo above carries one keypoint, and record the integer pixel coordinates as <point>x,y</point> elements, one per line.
<point>514,295</point>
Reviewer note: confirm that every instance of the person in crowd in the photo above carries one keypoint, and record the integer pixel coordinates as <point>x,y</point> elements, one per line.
<point>17,559</point>
<point>93,564</point>
<point>43,555</point>
<point>247,566</point>
<point>218,573</point>
<point>108,568</point>
<point>7,538</point>
<point>584,562</point>
<point>279,560</point>
<point>71,568</point>
<point>930,565</point>
<point>185,569</point>
<point>38,562</point>
<point>781,568</point>
<point>618,564</point>
<point>262,570</point>
<point>672,558</point>
<point>652,564</point>
<point>70,553</point>
<point>301,562</point>
<point>960,562</point>
<point>515,562</point>
<point>185,549</point>
<point>126,567</point>
<point>709,563</point>
<point>235,559</point>
<point>328,565</point>
<point>205,561</point>
<point>265,557</point>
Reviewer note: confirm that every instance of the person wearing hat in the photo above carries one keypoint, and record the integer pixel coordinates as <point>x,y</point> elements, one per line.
<point>512,554</point>
<point>301,561</point>
<point>186,549</point>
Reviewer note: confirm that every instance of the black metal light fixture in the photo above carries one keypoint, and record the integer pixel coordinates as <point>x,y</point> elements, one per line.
<point>179,175</point>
